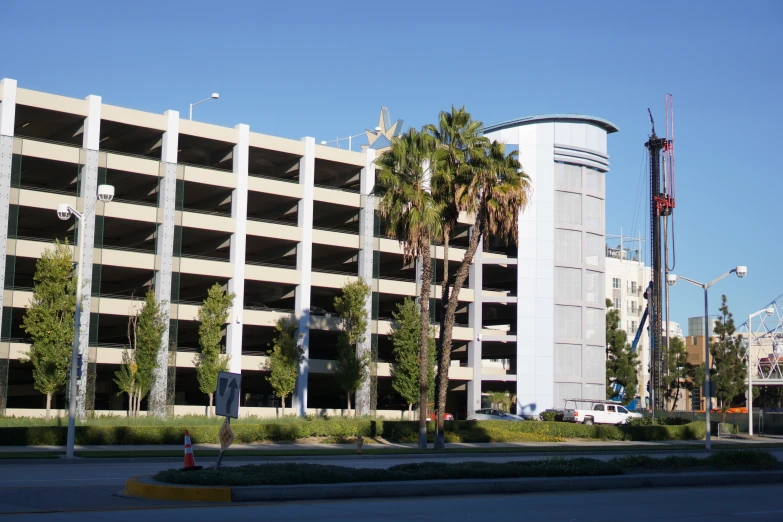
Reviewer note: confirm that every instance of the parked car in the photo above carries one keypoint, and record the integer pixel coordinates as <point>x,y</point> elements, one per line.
<point>490,414</point>
<point>601,413</point>
<point>317,310</point>
<point>432,416</point>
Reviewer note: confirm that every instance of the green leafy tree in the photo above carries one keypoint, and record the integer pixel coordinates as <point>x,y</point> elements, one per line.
<point>480,179</point>
<point>49,320</point>
<point>622,364</point>
<point>728,369</point>
<point>352,368</point>
<point>405,337</point>
<point>676,371</point>
<point>212,317</point>
<point>146,331</point>
<point>413,216</point>
<point>283,360</point>
<point>768,396</point>
<point>126,380</point>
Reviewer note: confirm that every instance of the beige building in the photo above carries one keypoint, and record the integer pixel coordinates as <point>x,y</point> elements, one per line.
<point>282,223</point>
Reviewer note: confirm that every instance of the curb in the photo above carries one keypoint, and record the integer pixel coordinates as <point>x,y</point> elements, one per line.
<point>145,487</point>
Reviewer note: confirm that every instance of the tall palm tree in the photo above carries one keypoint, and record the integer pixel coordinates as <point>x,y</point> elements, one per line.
<point>458,138</point>
<point>413,217</point>
<point>494,190</point>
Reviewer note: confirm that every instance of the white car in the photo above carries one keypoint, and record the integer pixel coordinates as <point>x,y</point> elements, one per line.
<point>490,414</point>
<point>601,413</point>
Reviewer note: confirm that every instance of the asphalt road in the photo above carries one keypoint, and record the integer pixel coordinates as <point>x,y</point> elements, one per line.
<point>737,503</point>
<point>85,485</point>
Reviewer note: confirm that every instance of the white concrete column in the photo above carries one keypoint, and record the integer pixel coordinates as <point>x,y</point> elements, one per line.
<point>366,255</point>
<point>238,243</point>
<point>475,314</point>
<point>164,260</point>
<point>7,118</point>
<point>88,185</point>
<point>304,262</point>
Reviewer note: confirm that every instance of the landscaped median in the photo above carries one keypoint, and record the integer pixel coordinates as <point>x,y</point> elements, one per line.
<point>338,430</point>
<point>301,481</point>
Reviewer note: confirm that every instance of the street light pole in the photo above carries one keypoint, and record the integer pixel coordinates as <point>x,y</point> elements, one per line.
<point>214,96</point>
<point>64,212</point>
<point>671,279</point>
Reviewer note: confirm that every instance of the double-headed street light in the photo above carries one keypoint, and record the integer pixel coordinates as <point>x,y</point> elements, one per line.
<point>671,280</point>
<point>64,212</point>
<point>768,311</point>
<point>214,96</point>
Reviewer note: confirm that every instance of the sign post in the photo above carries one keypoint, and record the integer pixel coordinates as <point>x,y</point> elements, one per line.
<point>227,405</point>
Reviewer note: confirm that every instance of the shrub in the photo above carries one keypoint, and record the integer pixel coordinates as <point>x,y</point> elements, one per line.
<point>551,416</point>
<point>659,421</point>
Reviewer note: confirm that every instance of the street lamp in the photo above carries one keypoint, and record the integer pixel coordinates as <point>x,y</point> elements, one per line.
<point>768,311</point>
<point>64,212</point>
<point>214,96</point>
<point>671,280</point>
<point>378,130</point>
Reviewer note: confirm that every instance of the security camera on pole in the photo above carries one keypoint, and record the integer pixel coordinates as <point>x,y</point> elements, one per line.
<point>227,405</point>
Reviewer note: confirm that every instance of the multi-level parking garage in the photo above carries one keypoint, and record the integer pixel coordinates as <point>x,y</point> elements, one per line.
<point>283,223</point>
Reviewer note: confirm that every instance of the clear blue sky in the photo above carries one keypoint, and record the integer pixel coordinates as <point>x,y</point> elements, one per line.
<point>324,69</point>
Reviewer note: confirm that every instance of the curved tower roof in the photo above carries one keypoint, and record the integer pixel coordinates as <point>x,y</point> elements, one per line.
<point>607,125</point>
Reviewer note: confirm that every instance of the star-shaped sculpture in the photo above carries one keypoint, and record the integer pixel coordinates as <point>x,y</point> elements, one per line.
<point>379,139</point>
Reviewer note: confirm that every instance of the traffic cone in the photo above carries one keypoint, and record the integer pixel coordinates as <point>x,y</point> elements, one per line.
<point>190,460</point>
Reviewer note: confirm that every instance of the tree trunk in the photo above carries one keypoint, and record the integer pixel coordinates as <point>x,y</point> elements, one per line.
<point>210,411</point>
<point>448,328</point>
<point>130,402</point>
<point>444,299</point>
<point>282,402</point>
<point>48,406</point>
<point>410,412</point>
<point>349,402</point>
<point>424,305</point>
<point>138,403</point>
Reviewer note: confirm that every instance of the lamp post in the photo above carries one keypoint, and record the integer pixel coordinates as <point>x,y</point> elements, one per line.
<point>671,280</point>
<point>214,96</point>
<point>378,130</point>
<point>64,212</point>
<point>768,311</point>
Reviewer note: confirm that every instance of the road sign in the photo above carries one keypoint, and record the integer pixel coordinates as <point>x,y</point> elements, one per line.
<point>227,394</point>
<point>226,435</point>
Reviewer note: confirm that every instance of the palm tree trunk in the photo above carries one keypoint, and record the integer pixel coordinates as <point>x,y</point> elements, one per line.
<point>447,329</point>
<point>48,406</point>
<point>424,370</point>
<point>444,299</point>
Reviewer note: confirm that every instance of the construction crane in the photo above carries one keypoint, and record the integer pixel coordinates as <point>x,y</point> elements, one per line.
<point>662,204</point>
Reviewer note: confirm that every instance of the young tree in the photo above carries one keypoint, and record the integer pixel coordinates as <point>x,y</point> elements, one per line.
<point>676,371</point>
<point>622,364</point>
<point>728,369</point>
<point>49,320</point>
<point>405,336</point>
<point>414,217</point>
<point>125,379</point>
<point>352,368</point>
<point>487,184</point>
<point>284,359</point>
<point>146,331</point>
<point>212,317</point>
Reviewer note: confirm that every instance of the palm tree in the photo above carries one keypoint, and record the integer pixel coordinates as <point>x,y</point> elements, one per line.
<point>494,190</point>
<point>458,138</point>
<point>413,217</point>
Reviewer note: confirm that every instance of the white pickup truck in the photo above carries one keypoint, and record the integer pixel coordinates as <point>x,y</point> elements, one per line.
<point>600,413</point>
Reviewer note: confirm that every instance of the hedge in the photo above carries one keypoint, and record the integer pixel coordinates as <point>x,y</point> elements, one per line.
<point>491,431</point>
<point>395,431</point>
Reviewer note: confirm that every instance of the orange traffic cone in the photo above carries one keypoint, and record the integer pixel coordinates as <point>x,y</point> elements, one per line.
<point>190,460</point>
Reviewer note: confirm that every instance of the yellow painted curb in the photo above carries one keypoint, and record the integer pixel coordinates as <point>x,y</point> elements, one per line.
<point>136,488</point>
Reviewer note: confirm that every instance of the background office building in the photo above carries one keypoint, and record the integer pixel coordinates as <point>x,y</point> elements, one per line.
<point>284,224</point>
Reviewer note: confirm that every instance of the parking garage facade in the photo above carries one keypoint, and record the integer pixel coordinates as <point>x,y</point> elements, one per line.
<point>283,224</point>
